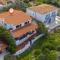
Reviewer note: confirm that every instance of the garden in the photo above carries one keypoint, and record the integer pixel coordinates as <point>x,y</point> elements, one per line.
<point>45,48</point>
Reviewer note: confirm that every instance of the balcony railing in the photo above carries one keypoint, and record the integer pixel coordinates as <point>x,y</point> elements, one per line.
<point>28,45</point>
<point>19,41</point>
<point>23,49</point>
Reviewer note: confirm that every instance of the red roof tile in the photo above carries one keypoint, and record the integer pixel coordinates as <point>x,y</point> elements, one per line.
<point>15,18</point>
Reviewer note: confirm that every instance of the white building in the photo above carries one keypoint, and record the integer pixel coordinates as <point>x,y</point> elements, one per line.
<point>20,27</point>
<point>44,13</point>
<point>14,20</point>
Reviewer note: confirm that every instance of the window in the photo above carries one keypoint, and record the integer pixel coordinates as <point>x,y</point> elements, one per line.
<point>30,33</point>
<point>20,25</point>
<point>17,26</point>
<point>53,14</point>
<point>26,22</point>
<point>16,38</point>
<point>5,24</point>
<point>47,19</point>
<point>33,31</point>
<point>23,36</point>
<point>11,29</point>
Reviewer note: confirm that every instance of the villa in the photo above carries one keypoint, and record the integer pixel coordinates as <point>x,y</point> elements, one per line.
<point>3,2</point>
<point>44,13</point>
<point>21,28</point>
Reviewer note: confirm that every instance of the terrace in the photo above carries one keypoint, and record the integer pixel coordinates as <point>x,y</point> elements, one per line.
<point>22,48</point>
<point>55,24</point>
<point>24,37</point>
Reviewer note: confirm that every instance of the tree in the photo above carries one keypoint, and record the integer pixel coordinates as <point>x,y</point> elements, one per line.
<point>52,55</point>
<point>21,5</point>
<point>53,2</point>
<point>1,32</point>
<point>6,37</point>
<point>10,42</point>
<point>42,28</point>
<point>37,2</point>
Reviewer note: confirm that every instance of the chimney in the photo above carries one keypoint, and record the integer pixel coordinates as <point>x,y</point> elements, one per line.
<point>11,11</point>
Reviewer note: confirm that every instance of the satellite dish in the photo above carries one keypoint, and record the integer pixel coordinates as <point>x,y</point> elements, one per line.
<point>11,10</point>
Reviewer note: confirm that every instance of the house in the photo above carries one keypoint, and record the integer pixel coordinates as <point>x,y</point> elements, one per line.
<point>11,1</point>
<point>6,1</point>
<point>3,1</point>
<point>44,13</point>
<point>21,28</point>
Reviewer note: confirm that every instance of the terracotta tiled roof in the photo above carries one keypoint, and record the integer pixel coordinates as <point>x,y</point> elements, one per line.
<point>15,18</point>
<point>44,8</point>
<point>21,31</point>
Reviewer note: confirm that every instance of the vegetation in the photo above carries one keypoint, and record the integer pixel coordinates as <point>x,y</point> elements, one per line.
<point>37,2</point>
<point>44,48</point>
<point>21,5</point>
<point>53,2</point>
<point>41,28</point>
<point>5,36</point>
<point>10,42</point>
<point>6,8</point>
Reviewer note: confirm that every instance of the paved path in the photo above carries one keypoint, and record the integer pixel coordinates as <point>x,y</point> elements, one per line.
<point>58,55</point>
<point>2,55</point>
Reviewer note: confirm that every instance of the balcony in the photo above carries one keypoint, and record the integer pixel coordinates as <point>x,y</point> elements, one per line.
<point>23,49</point>
<point>24,37</point>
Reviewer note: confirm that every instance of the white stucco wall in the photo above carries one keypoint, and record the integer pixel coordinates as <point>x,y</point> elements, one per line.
<point>8,26</point>
<point>30,12</point>
<point>1,22</point>
<point>22,40</point>
<point>38,16</point>
<point>23,49</point>
<point>14,27</point>
<point>35,15</point>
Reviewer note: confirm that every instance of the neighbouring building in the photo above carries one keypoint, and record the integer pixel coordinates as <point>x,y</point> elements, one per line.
<point>21,28</point>
<point>3,2</point>
<point>3,46</point>
<point>11,1</point>
<point>44,13</point>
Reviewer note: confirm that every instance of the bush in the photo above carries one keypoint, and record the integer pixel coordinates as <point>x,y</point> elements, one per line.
<point>21,5</point>
<point>42,28</point>
<point>10,42</point>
